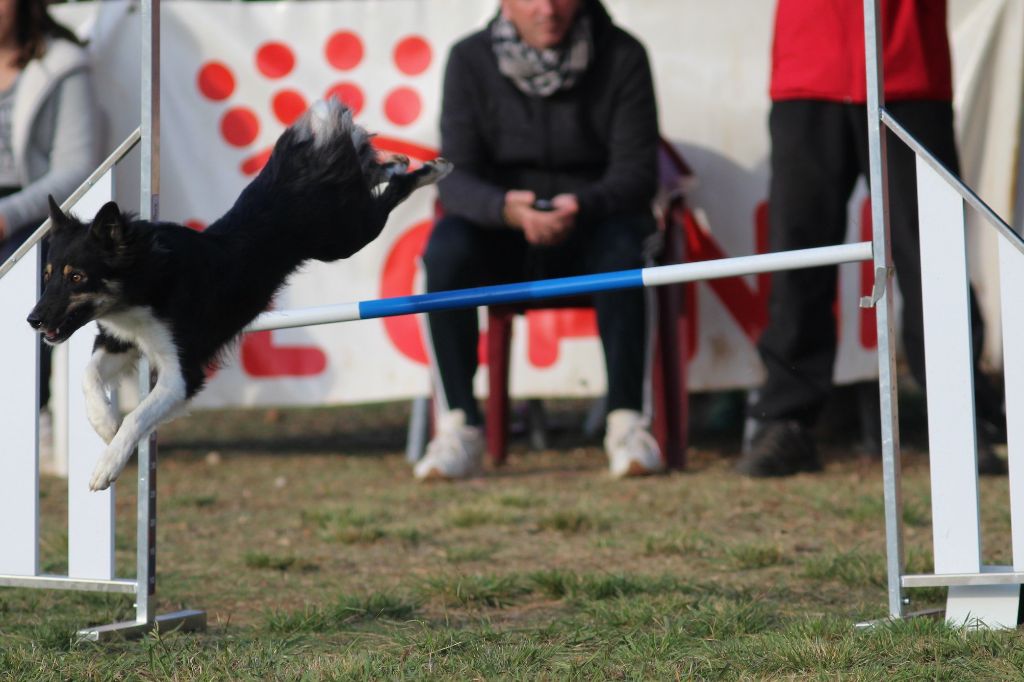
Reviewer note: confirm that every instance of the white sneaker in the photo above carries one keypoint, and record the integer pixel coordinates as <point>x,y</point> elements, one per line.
<point>632,450</point>
<point>457,450</point>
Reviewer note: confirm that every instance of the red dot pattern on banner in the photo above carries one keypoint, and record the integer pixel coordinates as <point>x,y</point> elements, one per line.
<point>255,163</point>
<point>344,50</point>
<point>402,106</point>
<point>288,106</point>
<point>216,81</point>
<point>350,94</point>
<point>239,126</point>
<point>275,60</point>
<point>412,55</point>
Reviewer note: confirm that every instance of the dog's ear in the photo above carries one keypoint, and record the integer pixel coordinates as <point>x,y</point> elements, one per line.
<point>108,226</point>
<point>58,219</point>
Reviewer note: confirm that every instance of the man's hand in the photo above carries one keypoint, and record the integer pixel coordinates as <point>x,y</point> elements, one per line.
<point>543,228</point>
<point>567,203</point>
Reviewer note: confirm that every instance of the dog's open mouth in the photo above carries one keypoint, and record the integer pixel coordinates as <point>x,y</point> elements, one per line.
<point>60,327</point>
<point>53,336</point>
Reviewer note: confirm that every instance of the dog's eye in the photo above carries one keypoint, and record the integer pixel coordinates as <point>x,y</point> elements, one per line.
<point>76,277</point>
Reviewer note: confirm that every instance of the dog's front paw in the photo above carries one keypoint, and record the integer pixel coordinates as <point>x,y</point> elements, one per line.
<point>103,475</point>
<point>107,470</point>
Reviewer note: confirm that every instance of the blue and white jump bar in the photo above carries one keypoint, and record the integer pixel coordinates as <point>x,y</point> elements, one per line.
<point>563,286</point>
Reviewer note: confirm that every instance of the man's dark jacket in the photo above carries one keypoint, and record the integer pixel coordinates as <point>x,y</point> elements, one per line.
<point>597,140</point>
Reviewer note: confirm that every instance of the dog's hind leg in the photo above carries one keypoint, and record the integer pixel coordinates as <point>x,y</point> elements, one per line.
<point>402,185</point>
<point>377,172</point>
<point>165,401</point>
<point>431,172</point>
<point>398,189</point>
<point>396,165</point>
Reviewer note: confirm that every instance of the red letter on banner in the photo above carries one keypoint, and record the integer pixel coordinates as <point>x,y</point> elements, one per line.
<point>261,358</point>
<point>397,279</point>
<point>749,307</point>
<point>547,328</point>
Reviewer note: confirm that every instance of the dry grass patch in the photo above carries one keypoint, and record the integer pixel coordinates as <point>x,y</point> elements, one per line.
<point>544,569</point>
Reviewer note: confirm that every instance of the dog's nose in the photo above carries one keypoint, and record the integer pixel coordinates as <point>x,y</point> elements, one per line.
<point>34,321</point>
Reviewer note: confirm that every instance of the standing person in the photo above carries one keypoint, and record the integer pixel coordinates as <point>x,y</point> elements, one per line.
<point>818,127</point>
<point>49,126</point>
<point>549,116</point>
<point>49,119</point>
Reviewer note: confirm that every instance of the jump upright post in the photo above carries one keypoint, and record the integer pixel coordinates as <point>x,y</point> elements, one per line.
<point>90,558</point>
<point>90,515</point>
<point>979,595</point>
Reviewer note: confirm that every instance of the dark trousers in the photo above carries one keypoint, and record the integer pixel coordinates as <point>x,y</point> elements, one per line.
<point>819,149</point>
<point>461,254</point>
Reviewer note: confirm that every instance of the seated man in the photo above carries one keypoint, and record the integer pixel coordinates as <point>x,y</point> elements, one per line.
<point>549,117</point>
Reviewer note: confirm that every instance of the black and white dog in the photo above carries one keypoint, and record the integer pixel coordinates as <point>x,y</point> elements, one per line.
<point>180,296</point>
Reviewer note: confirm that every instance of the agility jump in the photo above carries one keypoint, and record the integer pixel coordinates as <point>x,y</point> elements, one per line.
<point>563,286</point>
<point>942,198</point>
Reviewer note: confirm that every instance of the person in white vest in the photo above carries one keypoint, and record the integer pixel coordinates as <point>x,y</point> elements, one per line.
<point>50,125</point>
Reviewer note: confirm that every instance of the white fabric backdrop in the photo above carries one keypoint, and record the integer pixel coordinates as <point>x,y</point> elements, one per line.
<point>232,72</point>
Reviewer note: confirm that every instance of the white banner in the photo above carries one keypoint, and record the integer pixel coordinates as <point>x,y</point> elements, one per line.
<point>234,74</point>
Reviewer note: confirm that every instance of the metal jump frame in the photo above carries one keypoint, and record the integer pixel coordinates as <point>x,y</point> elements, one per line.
<point>143,586</point>
<point>979,596</point>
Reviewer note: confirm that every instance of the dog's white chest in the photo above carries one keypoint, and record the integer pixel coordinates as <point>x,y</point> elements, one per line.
<point>140,327</point>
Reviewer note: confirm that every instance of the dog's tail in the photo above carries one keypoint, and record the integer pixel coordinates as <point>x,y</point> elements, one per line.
<point>323,148</point>
<point>330,120</point>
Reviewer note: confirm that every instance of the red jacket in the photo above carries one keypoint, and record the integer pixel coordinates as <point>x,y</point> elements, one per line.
<point>818,51</point>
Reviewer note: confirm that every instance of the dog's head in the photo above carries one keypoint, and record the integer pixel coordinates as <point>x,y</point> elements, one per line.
<point>78,275</point>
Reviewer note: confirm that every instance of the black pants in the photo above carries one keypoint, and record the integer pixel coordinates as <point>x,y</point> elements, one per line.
<point>819,149</point>
<point>461,254</point>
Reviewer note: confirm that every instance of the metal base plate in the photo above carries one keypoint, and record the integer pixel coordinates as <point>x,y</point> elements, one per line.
<point>984,607</point>
<point>974,607</point>
<point>182,621</point>
<point>925,613</point>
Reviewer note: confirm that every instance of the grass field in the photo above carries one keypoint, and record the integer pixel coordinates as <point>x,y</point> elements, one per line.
<point>316,556</point>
